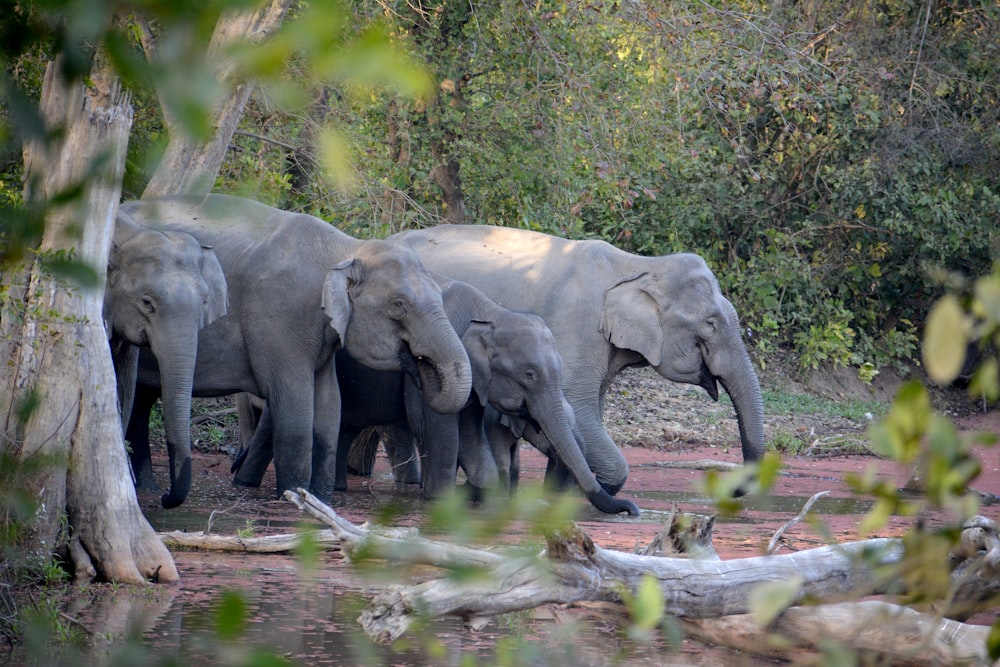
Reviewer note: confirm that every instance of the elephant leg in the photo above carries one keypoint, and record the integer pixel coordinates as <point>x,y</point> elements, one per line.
<point>403,457</point>
<point>137,435</point>
<point>474,454</point>
<point>252,461</point>
<point>503,446</point>
<point>248,416</point>
<point>557,475</point>
<point>345,445</point>
<point>515,465</point>
<point>438,455</point>
<point>326,431</point>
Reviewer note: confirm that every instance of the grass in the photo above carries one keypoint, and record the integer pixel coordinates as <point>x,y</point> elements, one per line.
<point>777,401</point>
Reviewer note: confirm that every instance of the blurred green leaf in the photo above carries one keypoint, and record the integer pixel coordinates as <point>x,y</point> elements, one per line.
<point>993,641</point>
<point>231,615</point>
<point>946,336</point>
<point>771,598</point>
<point>646,606</point>
<point>72,270</point>
<point>336,152</point>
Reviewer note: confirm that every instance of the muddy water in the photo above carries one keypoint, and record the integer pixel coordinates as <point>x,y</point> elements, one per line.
<point>311,617</point>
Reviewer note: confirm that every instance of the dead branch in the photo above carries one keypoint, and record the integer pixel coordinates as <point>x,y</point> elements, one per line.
<point>773,544</point>
<point>700,464</point>
<point>572,568</point>
<point>267,544</point>
<point>399,546</point>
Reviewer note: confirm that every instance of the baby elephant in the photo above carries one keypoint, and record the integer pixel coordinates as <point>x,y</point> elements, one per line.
<point>516,370</point>
<point>163,288</point>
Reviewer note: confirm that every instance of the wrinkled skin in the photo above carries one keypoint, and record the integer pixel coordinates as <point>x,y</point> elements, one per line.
<point>299,289</point>
<point>516,371</point>
<point>608,310</point>
<point>162,289</point>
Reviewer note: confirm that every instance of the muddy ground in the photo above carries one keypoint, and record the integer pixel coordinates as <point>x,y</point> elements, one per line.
<point>655,422</point>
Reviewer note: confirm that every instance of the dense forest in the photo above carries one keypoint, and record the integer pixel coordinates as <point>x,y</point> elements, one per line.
<point>835,162</point>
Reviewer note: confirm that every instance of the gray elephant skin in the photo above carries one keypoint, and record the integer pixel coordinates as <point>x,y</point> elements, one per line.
<point>608,310</point>
<point>298,290</point>
<point>516,371</point>
<point>162,289</point>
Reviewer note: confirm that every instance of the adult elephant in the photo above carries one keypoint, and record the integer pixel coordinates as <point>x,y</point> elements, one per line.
<point>608,310</point>
<point>516,371</point>
<point>298,290</point>
<point>162,289</point>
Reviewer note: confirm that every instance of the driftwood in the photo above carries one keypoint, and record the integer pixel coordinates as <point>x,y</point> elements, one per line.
<point>712,598</point>
<point>268,544</point>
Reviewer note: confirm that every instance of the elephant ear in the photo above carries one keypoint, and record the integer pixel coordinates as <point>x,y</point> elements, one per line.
<point>336,302</point>
<point>218,291</point>
<point>631,318</point>
<point>478,342</point>
<point>515,425</point>
<point>114,261</point>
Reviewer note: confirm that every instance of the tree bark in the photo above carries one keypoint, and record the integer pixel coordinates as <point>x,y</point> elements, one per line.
<point>58,348</point>
<point>190,166</point>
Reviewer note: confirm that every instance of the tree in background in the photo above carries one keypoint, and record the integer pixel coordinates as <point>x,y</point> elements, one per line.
<point>824,157</point>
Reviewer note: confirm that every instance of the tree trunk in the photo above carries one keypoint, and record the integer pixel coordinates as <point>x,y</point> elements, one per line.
<point>58,348</point>
<point>190,166</point>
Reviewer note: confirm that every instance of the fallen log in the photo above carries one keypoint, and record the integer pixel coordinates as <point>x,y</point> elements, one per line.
<point>572,568</point>
<point>874,626</point>
<point>325,539</point>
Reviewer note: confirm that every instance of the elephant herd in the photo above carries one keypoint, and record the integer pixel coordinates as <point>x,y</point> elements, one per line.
<point>466,338</point>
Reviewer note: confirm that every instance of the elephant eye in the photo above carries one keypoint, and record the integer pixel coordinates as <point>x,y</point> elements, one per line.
<point>398,308</point>
<point>147,305</point>
<point>529,377</point>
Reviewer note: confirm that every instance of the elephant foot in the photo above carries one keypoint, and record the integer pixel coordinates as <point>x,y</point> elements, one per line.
<point>324,493</point>
<point>407,487</point>
<point>475,495</point>
<point>245,484</point>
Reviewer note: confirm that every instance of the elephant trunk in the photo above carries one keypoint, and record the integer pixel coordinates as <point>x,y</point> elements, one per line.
<point>741,383</point>
<point>443,366</point>
<point>553,418</point>
<point>176,377</point>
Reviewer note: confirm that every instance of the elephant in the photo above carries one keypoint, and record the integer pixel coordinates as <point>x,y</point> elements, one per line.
<point>299,289</point>
<point>162,289</point>
<point>516,371</point>
<point>608,309</point>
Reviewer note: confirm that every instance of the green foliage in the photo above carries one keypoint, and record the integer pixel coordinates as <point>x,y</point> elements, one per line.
<point>817,171</point>
<point>645,607</point>
<point>753,478</point>
<point>769,599</point>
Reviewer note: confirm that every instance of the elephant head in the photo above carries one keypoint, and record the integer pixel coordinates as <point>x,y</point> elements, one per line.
<point>517,370</point>
<point>383,297</point>
<point>675,316</point>
<point>162,288</point>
